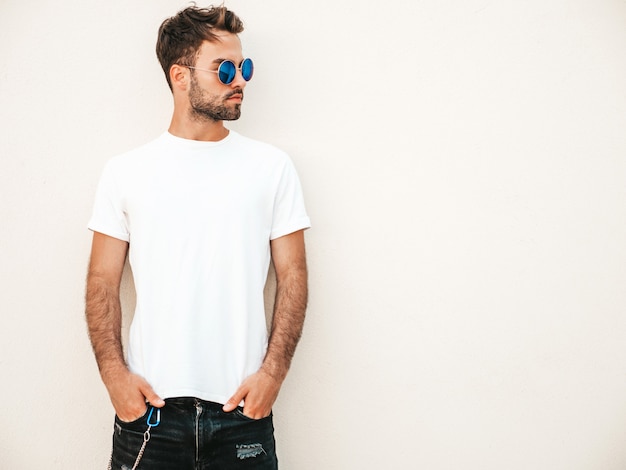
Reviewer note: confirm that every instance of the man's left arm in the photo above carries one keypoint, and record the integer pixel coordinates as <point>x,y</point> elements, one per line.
<point>260,390</point>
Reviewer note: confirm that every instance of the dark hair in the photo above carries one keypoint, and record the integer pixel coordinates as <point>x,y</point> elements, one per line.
<point>181,36</point>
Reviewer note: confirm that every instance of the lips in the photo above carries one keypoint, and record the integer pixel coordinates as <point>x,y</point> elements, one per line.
<point>237,95</point>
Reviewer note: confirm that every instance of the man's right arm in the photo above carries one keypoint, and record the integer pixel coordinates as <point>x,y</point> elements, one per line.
<point>128,391</point>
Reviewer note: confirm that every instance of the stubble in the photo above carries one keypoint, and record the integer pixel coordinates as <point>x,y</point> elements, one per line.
<point>207,107</point>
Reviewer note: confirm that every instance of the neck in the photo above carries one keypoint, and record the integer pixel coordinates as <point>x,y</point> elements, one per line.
<point>185,128</point>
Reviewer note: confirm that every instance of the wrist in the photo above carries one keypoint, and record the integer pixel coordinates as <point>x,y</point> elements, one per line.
<point>275,371</point>
<point>112,373</point>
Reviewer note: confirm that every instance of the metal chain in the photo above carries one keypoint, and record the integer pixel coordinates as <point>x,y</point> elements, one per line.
<point>146,438</point>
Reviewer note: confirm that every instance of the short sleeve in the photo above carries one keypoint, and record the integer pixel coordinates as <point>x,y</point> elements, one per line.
<point>108,216</point>
<point>289,211</point>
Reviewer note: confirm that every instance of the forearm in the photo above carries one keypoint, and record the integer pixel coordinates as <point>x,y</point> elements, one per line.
<point>288,320</point>
<point>104,320</point>
<point>128,392</point>
<point>259,390</point>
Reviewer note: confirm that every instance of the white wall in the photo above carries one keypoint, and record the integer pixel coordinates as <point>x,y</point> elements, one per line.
<point>463,164</point>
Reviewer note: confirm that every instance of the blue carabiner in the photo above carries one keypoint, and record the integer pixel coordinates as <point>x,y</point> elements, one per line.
<point>158,417</point>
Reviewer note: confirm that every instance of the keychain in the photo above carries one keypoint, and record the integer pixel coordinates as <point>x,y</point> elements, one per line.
<point>146,436</point>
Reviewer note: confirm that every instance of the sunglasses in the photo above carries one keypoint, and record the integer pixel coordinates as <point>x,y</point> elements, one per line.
<point>227,70</point>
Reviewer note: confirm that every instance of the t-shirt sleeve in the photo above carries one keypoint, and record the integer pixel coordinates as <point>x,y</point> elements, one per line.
<point>108,216</point>
<point>289,211</point>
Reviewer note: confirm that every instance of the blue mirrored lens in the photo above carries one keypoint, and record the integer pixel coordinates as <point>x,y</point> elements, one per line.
<point>226,72</point>
<point>247,69</point>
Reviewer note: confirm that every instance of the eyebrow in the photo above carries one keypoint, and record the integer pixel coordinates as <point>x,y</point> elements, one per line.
<point>220,60</point>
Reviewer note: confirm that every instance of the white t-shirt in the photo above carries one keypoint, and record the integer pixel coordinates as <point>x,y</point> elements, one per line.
<point>199,217</point>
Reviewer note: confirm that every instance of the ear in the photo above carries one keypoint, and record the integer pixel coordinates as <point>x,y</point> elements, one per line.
<point>179,76</point>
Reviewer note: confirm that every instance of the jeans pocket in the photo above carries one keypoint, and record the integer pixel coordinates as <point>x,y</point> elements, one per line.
<point>137,422</point>
<point>239,413</point>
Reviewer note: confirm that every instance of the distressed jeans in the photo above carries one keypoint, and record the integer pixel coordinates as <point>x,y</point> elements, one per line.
<point>194,434</point>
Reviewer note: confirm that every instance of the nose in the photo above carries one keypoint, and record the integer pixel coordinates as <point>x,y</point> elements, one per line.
<point>238,81</point>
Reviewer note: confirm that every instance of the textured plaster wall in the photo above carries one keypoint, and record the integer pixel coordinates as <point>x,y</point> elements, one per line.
<point>464,167</point>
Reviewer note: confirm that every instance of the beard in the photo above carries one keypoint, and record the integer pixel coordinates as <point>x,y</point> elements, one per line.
<point>207,107</point>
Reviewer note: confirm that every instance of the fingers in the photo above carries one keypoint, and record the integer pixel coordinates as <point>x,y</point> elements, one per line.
<point>258,392</point>
<point>129,393</point>
<point>237,398</point>
<point>131,408</point>
<point>150,395</point>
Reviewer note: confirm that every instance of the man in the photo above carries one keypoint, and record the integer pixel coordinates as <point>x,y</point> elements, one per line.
<point>200,211</point>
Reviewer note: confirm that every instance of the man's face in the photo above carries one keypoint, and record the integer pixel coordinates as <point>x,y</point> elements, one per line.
<point>209,98</point>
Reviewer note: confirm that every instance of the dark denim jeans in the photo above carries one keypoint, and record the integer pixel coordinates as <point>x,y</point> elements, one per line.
<point>195,435</point>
